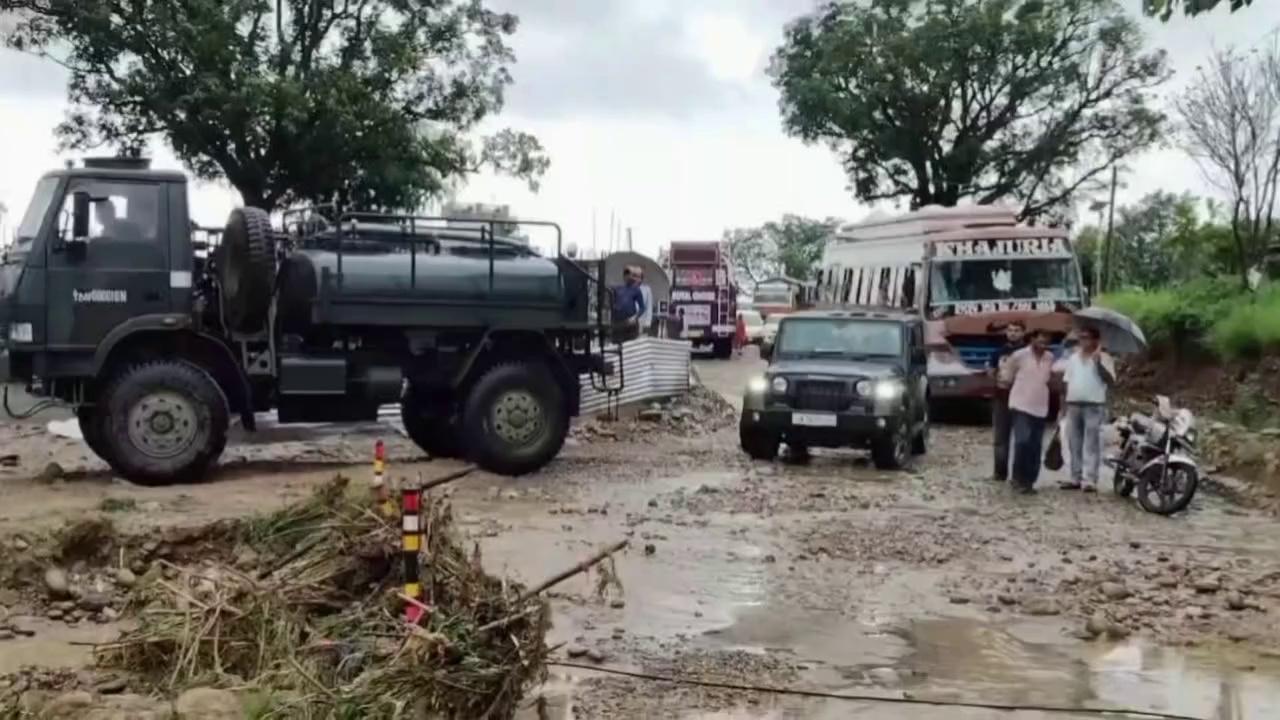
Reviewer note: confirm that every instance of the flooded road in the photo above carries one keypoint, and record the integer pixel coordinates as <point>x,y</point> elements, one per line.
<point>931,584</point>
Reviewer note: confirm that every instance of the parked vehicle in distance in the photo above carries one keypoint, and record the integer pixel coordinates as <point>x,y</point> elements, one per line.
<point>769,332</point>
<point>754,324</point>
<point>778,296</point>
<point>1157,458</point>
<point>847,378</point>
<point>704,297</point>
<point>968,272</point>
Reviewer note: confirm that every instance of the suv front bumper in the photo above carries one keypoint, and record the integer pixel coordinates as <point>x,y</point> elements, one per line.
<point>852,429</point>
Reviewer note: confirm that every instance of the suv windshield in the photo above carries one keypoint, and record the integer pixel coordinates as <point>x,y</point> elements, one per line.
<point>961,281</point>
<point>839,336</point>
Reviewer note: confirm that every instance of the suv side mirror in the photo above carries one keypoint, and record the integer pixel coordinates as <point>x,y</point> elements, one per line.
<point>918,356</point>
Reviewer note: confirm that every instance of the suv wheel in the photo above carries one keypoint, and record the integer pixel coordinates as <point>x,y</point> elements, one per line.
<point>515,420</point>
<point>759,444</point>
<point>163,422</point>
<point>893,452</point>
<point>429,425</point>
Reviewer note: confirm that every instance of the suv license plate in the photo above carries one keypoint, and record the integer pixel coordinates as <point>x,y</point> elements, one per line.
<point>813,419</point>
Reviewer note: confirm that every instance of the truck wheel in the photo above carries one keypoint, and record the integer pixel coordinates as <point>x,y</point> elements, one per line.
<point>515,419</point>
<point>757,443</point>
<point>164,422</point>
<point>429,427</point>
<point>91,429</point>
<point>893,452</point>
<point>245,269</point>
<point>722,349</point>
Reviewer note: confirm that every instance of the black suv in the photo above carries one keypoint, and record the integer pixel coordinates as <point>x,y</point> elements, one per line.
<point>849,378</point>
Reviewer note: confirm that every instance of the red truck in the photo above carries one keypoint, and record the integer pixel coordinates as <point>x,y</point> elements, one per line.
<point>704,297</point>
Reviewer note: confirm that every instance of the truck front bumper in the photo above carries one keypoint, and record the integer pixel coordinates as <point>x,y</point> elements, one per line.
<point>851,429</point>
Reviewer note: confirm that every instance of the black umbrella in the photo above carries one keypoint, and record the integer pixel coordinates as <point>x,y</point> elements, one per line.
<point>1119,333</point>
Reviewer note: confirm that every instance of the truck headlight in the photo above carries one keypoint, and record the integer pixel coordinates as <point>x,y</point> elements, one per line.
<point>20,332</point>
<point>757,385</point>
<point>889,389</point>
<point>779,385</point>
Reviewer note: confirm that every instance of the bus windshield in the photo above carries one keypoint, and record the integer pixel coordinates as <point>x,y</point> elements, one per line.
<point>1005,279</point>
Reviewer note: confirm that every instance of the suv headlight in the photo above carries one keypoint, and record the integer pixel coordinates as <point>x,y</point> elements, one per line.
<point>757,385</point>
<point>889,389</point>
<point>779,385</point>
<point>20,332</point>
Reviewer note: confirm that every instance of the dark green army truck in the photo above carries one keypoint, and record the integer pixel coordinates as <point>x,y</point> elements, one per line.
<point>159,335</point>
<point>841,379</point>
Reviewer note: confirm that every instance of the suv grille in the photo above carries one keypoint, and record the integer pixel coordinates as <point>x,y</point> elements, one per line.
<point>831,396</point>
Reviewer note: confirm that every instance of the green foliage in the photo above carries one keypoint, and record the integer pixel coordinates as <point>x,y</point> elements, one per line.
<point>1207,316</point>
<point>792,247</point>
<point>1024,100</point>
<point>1164,9</point>
<point>368,103</point>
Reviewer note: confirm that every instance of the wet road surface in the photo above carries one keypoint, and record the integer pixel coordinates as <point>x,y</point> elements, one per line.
<point>932,583</point>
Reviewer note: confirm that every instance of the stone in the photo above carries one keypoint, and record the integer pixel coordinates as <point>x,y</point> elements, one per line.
<point>6,634</point>
<point>55,581</point>
<point>1007,599</point>
<point>245,558</point>
<point>1236,601</point>
<point>125,578</point>
<point>111,685</point>
<point>54,614</point>
<point>576,651</point>
<point>1096,625</point>
<point>652,415</point>
<point>1041,607</point>
<point>1193,611</point>
<point>597,655</point>
<point>67,706</point>
<point>618,604</point>
<point>1115,591</point>
<point>959,600</point>
<point>650,549</point>
<point>20,545</point>
<point>209,704</point>
<point>884,675</point>
<point>1208,584</point>
<point>1116,631</point>
<point>94,601</point>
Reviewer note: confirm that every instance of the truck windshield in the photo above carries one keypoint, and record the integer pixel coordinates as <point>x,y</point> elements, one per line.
<point>1006,279</point>
<point>837,336</point>
<point>36,210</point>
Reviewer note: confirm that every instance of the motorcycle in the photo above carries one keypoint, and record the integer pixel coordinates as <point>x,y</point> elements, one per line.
<point>1157,458</point>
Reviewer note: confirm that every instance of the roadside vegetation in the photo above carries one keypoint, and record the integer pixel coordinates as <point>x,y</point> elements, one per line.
<point>1208,319</point>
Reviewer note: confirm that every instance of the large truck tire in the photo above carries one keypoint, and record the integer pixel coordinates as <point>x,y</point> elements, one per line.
<point>430,426</point>
<point>722,349</point>
<point>246,269</point>
<point>515,419</point>
<point>163,422</point>
<point>91,429</point>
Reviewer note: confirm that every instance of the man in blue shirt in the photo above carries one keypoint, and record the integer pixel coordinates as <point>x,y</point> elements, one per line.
<point>628,306</point>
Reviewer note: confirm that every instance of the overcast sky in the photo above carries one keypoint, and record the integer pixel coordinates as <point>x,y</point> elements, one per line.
<point>658,111</point>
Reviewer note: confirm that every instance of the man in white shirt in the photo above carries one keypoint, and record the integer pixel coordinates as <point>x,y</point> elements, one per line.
<point>1088,372</point>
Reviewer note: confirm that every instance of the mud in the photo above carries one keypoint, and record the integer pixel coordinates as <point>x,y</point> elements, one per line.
<point>832,576</point>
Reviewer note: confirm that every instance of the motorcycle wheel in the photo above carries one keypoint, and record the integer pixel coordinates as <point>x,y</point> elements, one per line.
<point>1167,493</point>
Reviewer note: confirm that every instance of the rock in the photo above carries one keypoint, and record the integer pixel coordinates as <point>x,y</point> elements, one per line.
<point>884,675</point>
<point>652,415</point>
<point>959,600</point>
<point>125,578</point>
<point>650,549</point>
<point>1116,631</point>
<point>1208,584</point>
<point>1096,625</point>
<point>618,604</point>
<point>1193,611</point>
<point>1007,599</point>
<point>20,545</point>
<point>1115,591</point>
<point>67,706</point>
<point>111,685</point>
<point>653,502</point>
<point>1236,601</point>
<point>597,655</point>
<point>52,471</point>
<point>1239,634</point>
<point>55,581</point>
<point>94,601</point>
<point>6,634</point>
<point>108,614</point>
<point>1041,607</point>
<point>246,557</point>
<point>576,651</point>
<point>151,506</point>
<point>65,605</point>
<point>209,704</point>
<point>54,614</point>
<point>1167,581</point>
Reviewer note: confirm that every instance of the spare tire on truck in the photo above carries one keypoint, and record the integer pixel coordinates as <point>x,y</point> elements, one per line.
<point>246,269</point>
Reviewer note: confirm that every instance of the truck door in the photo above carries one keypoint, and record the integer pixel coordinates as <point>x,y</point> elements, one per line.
<point>119,271</point>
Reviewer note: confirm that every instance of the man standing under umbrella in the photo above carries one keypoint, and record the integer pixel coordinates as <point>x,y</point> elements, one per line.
<point>1088,372</point>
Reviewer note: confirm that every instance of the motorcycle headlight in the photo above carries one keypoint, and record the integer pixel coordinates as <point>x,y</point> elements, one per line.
<point>779,385</point>
<point>757,385</point>
<point>889,390</point>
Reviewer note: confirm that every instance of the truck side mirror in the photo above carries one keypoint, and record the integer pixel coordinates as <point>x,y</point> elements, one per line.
<point>80,202</point>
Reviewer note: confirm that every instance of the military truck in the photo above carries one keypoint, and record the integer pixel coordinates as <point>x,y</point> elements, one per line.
<point>160,334</point>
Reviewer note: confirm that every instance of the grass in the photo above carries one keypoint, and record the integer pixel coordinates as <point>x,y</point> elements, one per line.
<point>1212,317</point>
<point>114,505</point>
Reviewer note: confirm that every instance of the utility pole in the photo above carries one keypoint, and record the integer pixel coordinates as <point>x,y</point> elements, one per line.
<point>631,246</point>
<point>1111,225</point>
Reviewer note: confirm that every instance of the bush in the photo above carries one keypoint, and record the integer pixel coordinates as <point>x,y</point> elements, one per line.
<point>1251,328</point>
<point>1211,316</point>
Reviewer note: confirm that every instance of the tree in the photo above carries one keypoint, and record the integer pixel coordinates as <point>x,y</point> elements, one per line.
<point>1231,126</point>
<point>792,247</point>
<point>1025,100</point>
<point>368,103</point>
<point>1164,9</point>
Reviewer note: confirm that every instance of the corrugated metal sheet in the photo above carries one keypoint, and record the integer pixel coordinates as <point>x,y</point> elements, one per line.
<point>654,367</point>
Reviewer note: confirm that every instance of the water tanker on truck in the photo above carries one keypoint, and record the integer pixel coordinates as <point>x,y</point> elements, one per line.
<point>158,333</point>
